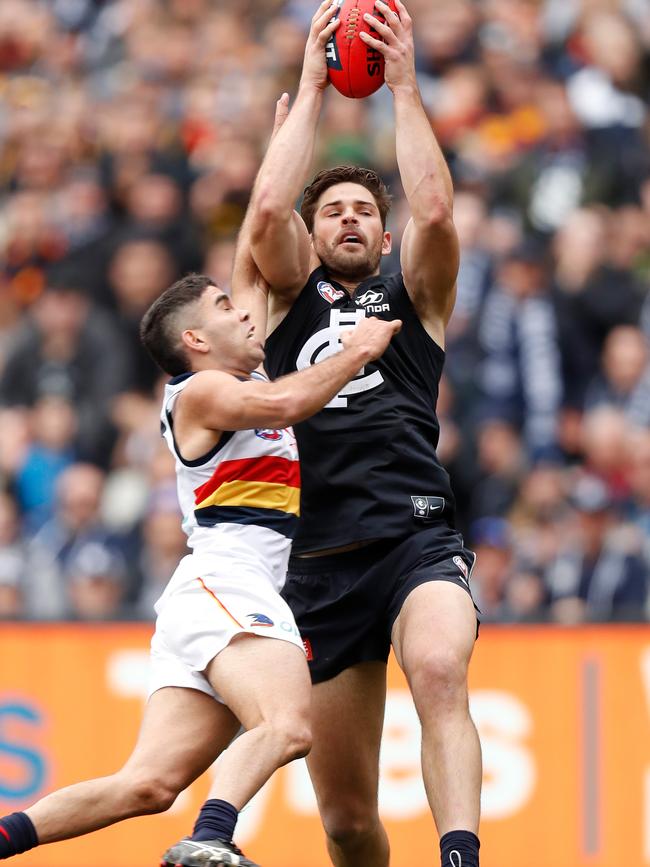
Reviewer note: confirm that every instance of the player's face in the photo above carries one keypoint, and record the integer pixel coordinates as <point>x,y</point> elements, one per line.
<point>227,332</point>
<point>348,236</point>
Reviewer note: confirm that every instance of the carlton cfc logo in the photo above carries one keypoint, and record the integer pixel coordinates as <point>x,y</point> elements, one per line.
<point>327,342</point>
<point>268,434</point>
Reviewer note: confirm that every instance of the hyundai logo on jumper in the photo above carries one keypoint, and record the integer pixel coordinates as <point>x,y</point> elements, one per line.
<point>371,300</point>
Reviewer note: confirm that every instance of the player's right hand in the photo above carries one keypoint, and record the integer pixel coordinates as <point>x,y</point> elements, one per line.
<point>314,68</point>
<point>395,41</point>
<point>371,336</point>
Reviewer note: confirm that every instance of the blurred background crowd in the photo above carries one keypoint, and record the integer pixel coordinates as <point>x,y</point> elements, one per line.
<point>130,135</point>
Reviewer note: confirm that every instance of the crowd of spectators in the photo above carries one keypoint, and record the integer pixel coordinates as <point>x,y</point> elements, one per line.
<point>130,135</point>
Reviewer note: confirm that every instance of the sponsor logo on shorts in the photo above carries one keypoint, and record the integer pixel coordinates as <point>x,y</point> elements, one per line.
<point>306,643</point>
<point>328,292</point>
<point>462,565</point>
<point>427,507</point>
<point>265,433</point>
<point>261,620</point>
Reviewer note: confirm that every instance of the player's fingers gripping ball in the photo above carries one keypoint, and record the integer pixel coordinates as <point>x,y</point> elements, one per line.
<point>355,68</point>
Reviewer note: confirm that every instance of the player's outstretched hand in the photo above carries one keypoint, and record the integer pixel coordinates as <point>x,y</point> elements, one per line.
<point>314,68</point>
<point>396,31</point>
<point>371,336</point>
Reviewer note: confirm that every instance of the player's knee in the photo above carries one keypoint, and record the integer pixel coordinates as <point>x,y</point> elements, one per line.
<point>439,677</point>
<point>350,828</point>
<point>152,795</point>
<point>295,734</point>
<point>291,733</point>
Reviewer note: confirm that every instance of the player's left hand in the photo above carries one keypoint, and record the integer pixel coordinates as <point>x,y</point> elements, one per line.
<point>396,44</point>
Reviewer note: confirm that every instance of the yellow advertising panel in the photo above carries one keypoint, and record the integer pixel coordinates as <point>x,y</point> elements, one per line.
<point>564,718</point>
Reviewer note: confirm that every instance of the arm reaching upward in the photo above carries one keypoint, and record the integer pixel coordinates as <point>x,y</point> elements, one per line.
<point>429,250</point>
<point>280,241</point>
<point>249,289</point>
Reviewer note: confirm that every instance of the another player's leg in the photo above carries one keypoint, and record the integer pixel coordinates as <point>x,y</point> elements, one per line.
<point>433,637</point>
<point>182,733</point>
<point>348,716</point>
<point>265,682</point>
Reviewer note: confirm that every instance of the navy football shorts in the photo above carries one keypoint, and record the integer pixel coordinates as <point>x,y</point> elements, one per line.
<point>345,604</point>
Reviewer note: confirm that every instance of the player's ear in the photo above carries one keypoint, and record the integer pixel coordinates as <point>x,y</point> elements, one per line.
<point>193,340</point>
<point>387,244</point>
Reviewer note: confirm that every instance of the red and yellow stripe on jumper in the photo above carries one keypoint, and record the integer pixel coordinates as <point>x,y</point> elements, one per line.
<point>253,483</point>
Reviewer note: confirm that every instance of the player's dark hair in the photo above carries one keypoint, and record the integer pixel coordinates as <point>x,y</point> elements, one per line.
<point>343,175</point>
<point>157,328</point>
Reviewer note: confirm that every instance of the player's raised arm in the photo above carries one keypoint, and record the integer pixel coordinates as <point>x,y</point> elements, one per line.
<point>217,401</point>
<point>430,245</point>
<point>280,241</point>
<point>249,289</point>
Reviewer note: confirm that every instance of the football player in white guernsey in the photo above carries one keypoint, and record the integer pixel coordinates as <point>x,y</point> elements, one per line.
<point>226,653</point>
<point>333,250</point>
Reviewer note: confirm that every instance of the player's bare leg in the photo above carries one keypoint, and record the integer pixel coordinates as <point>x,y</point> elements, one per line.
<point>348,716</point>
<point>265,681</point>
<point>182,733</point>
<point>433,639</point>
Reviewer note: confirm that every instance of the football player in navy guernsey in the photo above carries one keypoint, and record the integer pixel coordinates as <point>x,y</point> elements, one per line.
<point>376,561</point>
<point>226,650</point>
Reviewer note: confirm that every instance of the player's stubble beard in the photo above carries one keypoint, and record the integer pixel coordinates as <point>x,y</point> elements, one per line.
<point>349,266</point>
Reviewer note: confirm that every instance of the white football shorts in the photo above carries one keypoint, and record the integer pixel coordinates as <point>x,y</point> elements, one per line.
<point>209,600</point>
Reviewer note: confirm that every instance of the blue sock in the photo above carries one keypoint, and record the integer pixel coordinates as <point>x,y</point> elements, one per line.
<point>17,834</point>
<point>459,849</point>
<point>216,821</point>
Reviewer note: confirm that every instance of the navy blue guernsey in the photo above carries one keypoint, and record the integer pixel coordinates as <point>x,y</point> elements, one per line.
<point>368,459</point>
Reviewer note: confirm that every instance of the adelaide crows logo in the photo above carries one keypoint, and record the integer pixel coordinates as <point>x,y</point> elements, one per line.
<point>260,620</point>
